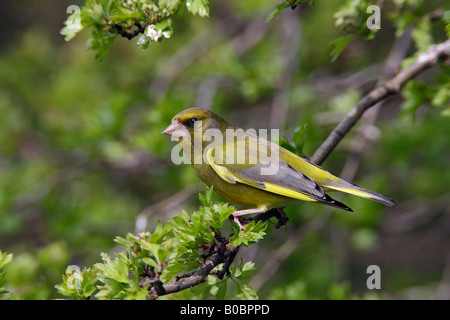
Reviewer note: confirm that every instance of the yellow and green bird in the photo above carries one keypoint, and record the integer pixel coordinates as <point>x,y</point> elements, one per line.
<point>252,171</point>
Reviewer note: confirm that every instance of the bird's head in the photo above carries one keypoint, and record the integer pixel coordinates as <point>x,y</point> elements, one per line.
<point>186,122</point>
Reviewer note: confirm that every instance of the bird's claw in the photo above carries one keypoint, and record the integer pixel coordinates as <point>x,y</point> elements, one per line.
<point>282,218</point>
<point>238,222</point>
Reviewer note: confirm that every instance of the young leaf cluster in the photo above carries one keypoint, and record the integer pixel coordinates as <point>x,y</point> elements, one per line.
<point>127,18</point>
<point>173,251</point>
<point>233,284</point>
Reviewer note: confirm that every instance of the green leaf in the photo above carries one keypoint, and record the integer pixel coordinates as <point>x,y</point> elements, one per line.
<point>181,223</point>
<point>177,267</point>
<point>243,272</point>
<point>277,10</point>
<point>5,258</point>
<point>251,234</point>
<point>222,211</point>
<point>122,241</point>
<point>284,142</point>
<point>69,33</point>
<point>78,284</point>
<point>446,19</point>
<point>415,93</point>
<point>199,7</point>
<point>422,34</point>
<point>159,232</point>
<point>299,139</point>
<point>218,288</point>
<point>442,96</point>
<point>206,199</point>
<point>245,292</point>
<point>152,247</point>
<point>151,262</point>
<point>285,4</point>
<point>169,5</point>
<point>338,45</point>
<point>101,42</point>
<point>116,269</point>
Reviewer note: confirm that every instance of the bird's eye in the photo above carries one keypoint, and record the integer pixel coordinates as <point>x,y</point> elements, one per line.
<point>192,121</point>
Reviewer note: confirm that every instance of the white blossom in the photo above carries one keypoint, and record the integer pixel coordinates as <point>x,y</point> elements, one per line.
<point>154,34</point>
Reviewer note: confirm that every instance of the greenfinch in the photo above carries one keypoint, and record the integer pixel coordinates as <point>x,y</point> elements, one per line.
<point>252,171</point>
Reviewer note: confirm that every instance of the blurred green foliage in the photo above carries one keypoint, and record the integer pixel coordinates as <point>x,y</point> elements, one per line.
<point>81,154</point>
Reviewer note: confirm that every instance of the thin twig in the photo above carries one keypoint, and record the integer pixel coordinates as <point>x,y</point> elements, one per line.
<point>128,33</point>
<point>393,86</point>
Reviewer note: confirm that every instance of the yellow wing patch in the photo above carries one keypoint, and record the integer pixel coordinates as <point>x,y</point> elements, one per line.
<point>353,191</point>
<point>222,171</point>
<point>287,192</point>
<point>356,190</point>
<point>229,177</point>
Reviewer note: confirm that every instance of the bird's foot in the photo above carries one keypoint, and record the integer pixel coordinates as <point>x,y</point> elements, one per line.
<point>282,218</point>
<point>239,213</point>
<point>238,222</point>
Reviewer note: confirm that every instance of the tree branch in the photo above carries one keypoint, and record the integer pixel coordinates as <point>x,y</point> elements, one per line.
<point>129,34</point>
<point>393,86</point>
<point>200,274</point>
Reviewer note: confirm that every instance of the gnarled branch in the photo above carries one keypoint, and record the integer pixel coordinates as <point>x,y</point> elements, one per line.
<point>225,254</point>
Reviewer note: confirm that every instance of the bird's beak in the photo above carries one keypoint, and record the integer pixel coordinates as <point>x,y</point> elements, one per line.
<point>176,128</point>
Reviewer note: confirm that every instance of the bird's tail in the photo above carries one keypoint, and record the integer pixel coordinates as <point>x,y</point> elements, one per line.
<point>349,187</point>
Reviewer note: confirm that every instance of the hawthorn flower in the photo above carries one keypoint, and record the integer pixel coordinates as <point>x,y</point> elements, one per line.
<point>154,34</point>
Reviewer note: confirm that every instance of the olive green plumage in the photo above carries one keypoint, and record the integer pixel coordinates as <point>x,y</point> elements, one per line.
<point>243,183</point>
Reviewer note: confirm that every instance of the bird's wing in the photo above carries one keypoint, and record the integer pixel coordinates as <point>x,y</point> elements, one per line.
<point>266,171</point>
<point>328,181</point>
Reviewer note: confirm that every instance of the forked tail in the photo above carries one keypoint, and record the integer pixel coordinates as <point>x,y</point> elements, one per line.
<point>349,187</point>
